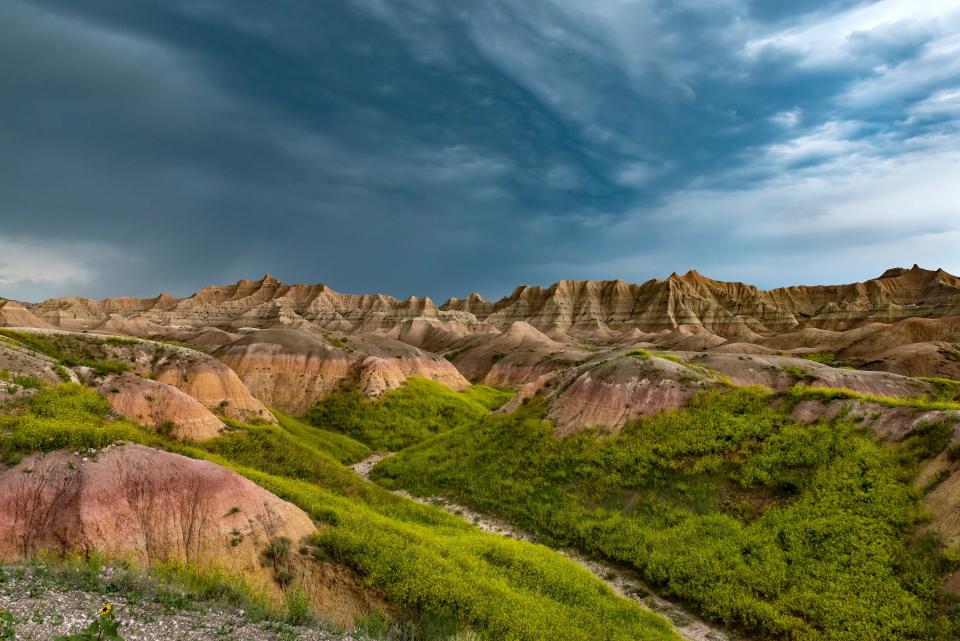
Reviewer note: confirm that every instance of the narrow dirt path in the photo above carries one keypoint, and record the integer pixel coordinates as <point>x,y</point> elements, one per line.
<point>622,582</point>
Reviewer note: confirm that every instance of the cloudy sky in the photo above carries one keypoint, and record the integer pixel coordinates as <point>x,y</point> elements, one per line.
<point>446,146</point>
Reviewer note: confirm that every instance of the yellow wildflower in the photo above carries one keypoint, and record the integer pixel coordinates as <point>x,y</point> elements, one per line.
<point>106,610</point>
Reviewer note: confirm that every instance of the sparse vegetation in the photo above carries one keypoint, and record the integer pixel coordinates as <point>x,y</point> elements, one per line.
<point>799,374</point>
<point>277,557</point>
<point>805,392</point>
<point>70,350</point>
<point>946,389</point>
<point>824,358</point>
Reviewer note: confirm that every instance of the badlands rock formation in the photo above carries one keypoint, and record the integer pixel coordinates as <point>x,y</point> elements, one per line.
<point>134,501</point>
<point>290,369</point>
<point>728,310</point>
<point>150,506</point>
<point>289,344</point>
<point>216,386</point>
<point>161,407</point>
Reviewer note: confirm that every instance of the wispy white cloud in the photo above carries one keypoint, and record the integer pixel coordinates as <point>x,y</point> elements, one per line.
<point>34,266</point>
<point>834,39</point>
<point>942,103</point>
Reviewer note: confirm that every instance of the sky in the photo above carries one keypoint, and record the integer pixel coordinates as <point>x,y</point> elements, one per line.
<point>441,147</point>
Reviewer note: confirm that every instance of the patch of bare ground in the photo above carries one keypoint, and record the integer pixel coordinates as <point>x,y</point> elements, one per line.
<point>41,604</point>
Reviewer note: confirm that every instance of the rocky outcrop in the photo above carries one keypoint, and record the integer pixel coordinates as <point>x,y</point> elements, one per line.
<point>14,314</point>
<point>782,372</point>
<point>18,360</point>
<point>732,310</point>
<point>623,389</point>
<point>161,407</point>
<point>248,303</point>
<point>290,369</point>
<point>612,389</point>
<point>516,356</point>
<point>866,323</point>
<point>890,423</point>
<point>214,385</point>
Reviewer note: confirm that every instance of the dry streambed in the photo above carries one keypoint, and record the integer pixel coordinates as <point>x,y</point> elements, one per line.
<point>620,581</point>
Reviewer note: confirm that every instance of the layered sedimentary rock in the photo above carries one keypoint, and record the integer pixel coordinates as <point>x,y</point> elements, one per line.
<point>289,369</point>
<point>161,407</point>
<point>150,507</point>
<point>728,309</point>
<point>906,321</point>
<point>516,356</point>
<point>14,314</point>
<point>248,303</point>
<point>615,391</point>
<point>136,502</point>
<point>214,385</point>
<point>782,372</point>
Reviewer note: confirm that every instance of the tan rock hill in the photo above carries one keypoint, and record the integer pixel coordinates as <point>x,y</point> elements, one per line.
<point>161,407</point>
<point>516,356</point>
<point>150,506</point>
<point>289,369</point>
<point>14,314</point>
<point>214,385</point>
<point>195,373</point>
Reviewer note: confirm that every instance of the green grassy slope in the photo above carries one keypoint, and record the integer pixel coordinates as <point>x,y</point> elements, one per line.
<point>792,532</point>
<point>431,564</point>
<point>341,447</point>
<point>412,413</point>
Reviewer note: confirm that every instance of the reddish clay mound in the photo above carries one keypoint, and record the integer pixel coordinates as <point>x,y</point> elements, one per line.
<point>137,502</point>
<point>149,506</point>
<point>612,392</point>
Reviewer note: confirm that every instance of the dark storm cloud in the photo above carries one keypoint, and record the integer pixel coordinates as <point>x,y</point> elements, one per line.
<point>438,147</point>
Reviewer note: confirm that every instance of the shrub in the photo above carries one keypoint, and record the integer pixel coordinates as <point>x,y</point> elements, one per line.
<point>277,556</point>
